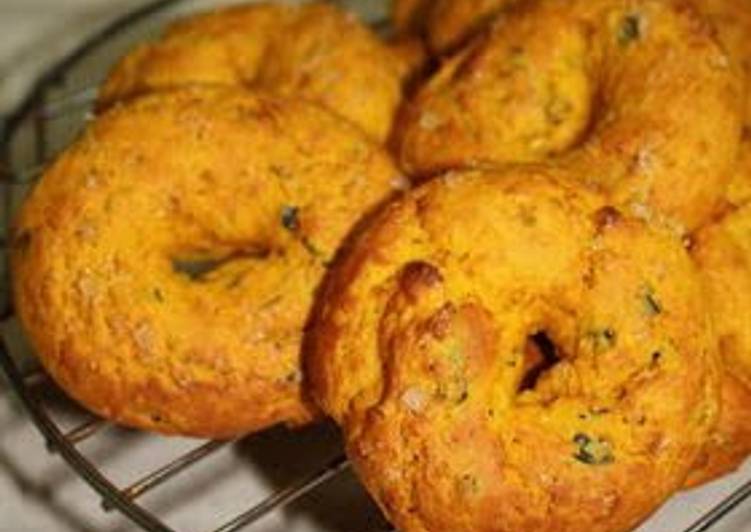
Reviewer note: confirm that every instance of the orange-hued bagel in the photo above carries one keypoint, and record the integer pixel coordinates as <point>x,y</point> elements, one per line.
<point>635,97</point>
<point>315,51</point>
<point>730,443</point>
<point>506,353</point>
<point>732,19</point>
<point>723,253</point>
<point>165,264</point>
<point>446,24</point>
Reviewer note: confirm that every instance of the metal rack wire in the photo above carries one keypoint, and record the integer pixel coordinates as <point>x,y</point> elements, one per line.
<point>39,110</point>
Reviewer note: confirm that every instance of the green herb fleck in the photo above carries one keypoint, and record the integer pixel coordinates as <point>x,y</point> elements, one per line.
<point>198,269</point>
<point>652,306</point>
<point>594,411</point>
<point>290,219</point>
<point>158,295</point>
<point>629,30</point>
<point>592,451</point>
<point>602,339</point>
<point>312,249</point>
<point>557,109</point>
<point>455,355</point>
<point>457,391</point>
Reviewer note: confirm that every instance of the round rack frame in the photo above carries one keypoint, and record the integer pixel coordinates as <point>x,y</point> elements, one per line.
<point>36,109</point>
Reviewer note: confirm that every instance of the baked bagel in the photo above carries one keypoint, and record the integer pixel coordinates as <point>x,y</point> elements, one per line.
<point>165,264</point>
<point>508,353</point>
<point>723,253</point>
<point>732,19</point>
<point>446,24</point>
<point>730,443</point>
<point>634,97</point>
<point>316,51</point>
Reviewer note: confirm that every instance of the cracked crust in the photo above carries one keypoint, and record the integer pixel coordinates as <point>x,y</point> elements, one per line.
<point>165,264</point>
<point>455,419</point>
<point>635,97</point>
<point>315,51</point>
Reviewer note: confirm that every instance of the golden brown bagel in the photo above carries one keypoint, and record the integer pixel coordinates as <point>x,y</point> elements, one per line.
<point>635,98</point>
<point>315,51</point>
<point>165,264</point>
<point>730,442</point>
<point>420,351</point>
<point>732,19</point>
<point>723,253</point>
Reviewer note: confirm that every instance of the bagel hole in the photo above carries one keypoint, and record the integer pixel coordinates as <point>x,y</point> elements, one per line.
<point>540,356</point>
<point>197,265</point>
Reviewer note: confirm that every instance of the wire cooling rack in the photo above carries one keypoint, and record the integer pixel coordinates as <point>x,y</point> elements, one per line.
<point>42,124</point>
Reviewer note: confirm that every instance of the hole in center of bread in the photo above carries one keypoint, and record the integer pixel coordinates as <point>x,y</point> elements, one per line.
<point>540,356</point>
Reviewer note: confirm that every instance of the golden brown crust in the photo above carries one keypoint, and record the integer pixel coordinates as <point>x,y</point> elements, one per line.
<point>420,351</point>
<point>732,20</point>
<point>636,96</point>
<point>165,264</point>
<point>723,254</point>
<point>315,51</point>
<point>453,22</point>
<point>446,24</point>
<point>408,16</point>
<point>730,443</point>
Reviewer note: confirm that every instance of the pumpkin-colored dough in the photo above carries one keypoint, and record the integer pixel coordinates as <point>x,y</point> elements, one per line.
<point>315,51</point>
<point>635,97</point>
<point>723,252</point>
<point>506,352</point>
<point>165,264</point>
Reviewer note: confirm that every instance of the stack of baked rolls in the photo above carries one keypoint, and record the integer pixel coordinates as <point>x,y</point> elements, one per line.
<point>555,312</point>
